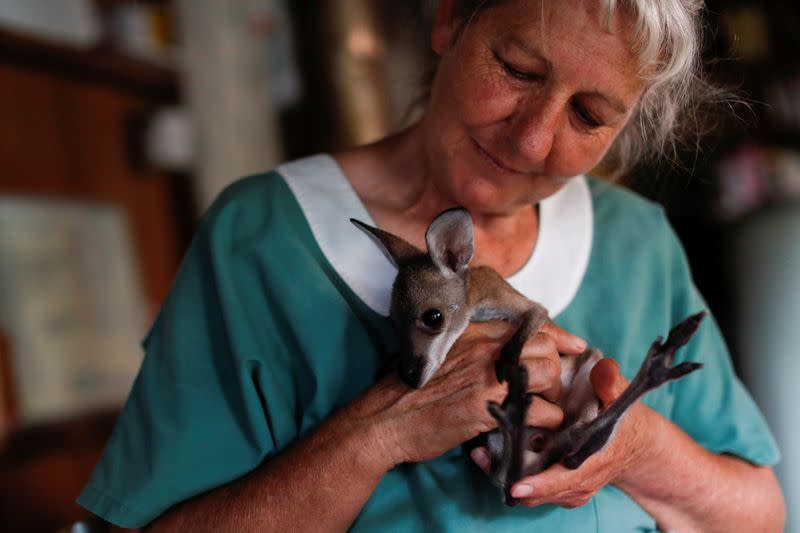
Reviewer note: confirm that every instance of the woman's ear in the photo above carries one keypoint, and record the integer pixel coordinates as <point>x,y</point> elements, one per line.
<point>443,27</point>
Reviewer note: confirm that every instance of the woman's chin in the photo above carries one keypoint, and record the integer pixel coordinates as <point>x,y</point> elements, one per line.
<point>496,197</point>
<point>493,202</point>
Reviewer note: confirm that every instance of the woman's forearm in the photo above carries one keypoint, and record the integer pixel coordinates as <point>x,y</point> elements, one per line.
<point>320,483</point>
<point>687,489</point>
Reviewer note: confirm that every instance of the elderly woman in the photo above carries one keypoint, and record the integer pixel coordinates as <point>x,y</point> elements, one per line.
<point>260,405</point>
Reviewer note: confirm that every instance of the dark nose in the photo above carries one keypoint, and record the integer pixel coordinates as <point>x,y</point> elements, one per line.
<point>411,370</point>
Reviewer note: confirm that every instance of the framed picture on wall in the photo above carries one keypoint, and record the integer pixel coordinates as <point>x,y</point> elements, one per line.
<point>71,307</point>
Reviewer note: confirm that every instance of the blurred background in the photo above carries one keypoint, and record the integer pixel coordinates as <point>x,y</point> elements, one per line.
<point>121,120</point>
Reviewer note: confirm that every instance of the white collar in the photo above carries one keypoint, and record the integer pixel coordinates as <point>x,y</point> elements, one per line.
<point>551,276</point>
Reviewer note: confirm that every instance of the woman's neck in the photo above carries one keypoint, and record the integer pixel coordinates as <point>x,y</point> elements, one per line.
<point>395,182</point>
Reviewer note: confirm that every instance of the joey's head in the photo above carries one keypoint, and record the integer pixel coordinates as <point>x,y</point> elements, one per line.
<point>430,297</point>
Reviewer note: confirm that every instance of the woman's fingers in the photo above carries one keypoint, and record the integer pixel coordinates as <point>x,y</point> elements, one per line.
<point>541,358</point>
<point>543,414</point>
<point>544,375</point>
<point>566,343</point>
<point>480,456</point>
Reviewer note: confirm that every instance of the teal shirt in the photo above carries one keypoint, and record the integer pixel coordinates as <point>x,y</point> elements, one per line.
<point>261,338</point>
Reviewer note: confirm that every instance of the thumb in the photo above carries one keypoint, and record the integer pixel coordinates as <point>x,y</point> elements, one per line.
<point>606,380</point>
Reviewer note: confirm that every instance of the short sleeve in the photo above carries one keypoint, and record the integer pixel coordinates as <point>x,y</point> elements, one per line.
<point>712,405</point>
<point>204,409</point>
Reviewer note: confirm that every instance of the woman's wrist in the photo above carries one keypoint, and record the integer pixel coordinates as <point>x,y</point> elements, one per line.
<point>647,430</point>
<point>687,488</point>
<point>372,436</point>
<point>659,452</point>
<point>381,438</point>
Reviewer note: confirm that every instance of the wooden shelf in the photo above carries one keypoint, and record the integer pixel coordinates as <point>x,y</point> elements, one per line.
<point>101,65</point>
<point>72,124</point>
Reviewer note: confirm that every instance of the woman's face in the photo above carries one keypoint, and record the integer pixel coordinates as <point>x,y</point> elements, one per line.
<point>528,95</point>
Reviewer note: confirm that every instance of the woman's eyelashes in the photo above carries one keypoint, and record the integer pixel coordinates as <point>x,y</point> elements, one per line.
<point>521,74</point>
<point>584,115</point>
<point>517,73</point>
<point>586,118</point>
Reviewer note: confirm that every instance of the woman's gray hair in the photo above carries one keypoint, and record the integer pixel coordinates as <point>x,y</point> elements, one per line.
<point>667,43</point>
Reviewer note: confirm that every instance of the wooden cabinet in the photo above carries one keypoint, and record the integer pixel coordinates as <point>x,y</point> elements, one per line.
<point>74,139</point>
<point>71,123</point>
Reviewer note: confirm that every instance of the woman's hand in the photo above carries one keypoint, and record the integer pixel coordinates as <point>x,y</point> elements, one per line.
<point>416,425</point>
<point>572,488</point>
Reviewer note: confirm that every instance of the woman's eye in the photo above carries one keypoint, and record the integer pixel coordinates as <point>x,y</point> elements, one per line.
<point>519,74</point>
<point>585,116</point>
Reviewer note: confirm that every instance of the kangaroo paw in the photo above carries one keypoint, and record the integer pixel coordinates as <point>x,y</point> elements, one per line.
<point>510,441</point>
<point>499,414</point>
<point>656,370</point>
<point>680,334</point>
<point>657,367</point>
<point>678,371</point>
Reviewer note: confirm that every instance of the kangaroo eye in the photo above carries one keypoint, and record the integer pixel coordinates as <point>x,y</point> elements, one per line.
<point>432,318</point>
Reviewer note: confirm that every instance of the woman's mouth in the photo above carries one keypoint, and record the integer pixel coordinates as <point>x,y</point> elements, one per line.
<point>497,164</point>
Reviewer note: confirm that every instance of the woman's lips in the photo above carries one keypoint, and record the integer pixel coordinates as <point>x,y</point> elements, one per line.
<point>497,164</point>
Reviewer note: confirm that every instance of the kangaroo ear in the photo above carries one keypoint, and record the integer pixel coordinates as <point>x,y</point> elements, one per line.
<point>393,247</point>
<point>450,241</point>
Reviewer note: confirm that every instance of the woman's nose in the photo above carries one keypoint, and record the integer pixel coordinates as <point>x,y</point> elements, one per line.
<point>533,128</point>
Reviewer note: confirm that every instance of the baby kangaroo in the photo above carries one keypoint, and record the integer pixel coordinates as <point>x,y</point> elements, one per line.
<point>435,296</point>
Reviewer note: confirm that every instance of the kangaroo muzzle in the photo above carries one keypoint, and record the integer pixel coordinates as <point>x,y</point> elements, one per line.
<point>412,371</point>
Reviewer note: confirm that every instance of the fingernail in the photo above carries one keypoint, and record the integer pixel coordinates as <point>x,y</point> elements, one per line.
<point>480,457</point>
<point>521,491</point>
<point>579,343</point>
